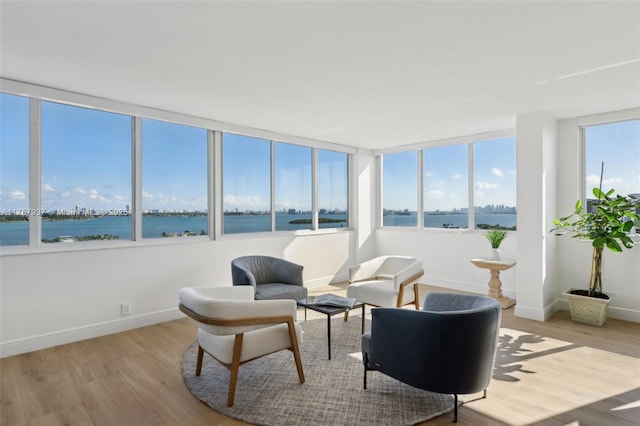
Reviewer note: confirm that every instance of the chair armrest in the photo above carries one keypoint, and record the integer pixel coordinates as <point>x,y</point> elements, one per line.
<point>365,270</point>
<point>242,276</point>
<point>407,275</point>
<point>288,272</point>
<point>228,317</point>
<point>194,296</point>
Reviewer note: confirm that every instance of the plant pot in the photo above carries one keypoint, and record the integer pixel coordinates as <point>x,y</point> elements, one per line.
<point>495,254</point>
<point>586,309</point>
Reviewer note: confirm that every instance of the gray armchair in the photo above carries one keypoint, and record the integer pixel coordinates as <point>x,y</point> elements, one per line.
<point>447,347</point>
<point>271,278</point>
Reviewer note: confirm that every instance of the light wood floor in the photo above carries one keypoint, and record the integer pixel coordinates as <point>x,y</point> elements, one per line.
<point>551,373</point>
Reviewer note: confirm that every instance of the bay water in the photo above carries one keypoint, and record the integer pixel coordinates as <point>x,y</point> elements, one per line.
<point>17,233</point>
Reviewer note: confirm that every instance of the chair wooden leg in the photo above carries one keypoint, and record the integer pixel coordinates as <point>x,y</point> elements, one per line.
<point>417,297</point>
<point>296,349</point>
<point>346,315</point>
<point>199,362</point>
<point>235,366</point>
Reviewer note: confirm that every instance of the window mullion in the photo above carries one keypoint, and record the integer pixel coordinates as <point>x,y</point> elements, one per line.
<point>136,178</point>
<point>214,172</point>
<point>314,189</point>
<point>273,185</point>
<point>35,171</point>
<point>420,210</point>
<point>470,183</point>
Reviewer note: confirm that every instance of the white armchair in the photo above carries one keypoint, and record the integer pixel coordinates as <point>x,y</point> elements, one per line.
<point>387,281</point>
<point>234,328</point>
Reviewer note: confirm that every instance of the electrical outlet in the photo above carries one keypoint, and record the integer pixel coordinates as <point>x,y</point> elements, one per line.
<point>125,309</point>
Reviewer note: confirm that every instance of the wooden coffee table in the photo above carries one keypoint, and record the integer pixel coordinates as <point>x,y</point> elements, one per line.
<point>329,311</point>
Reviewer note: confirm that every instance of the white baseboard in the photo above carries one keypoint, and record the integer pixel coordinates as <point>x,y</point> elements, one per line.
<point>49,340</point>
<point>461,286</point>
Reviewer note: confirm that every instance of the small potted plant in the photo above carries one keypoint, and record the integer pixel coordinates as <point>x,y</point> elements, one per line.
<point>495,237</point>
<point>607,225</point>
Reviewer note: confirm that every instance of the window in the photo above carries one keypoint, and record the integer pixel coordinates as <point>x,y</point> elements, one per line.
<point>174,180</point>
<point>86,174</point>
<point>246,168</point>
<point>333,191</point>
<point>400,189</point>
<point>90,176</point>
<point>293,186</point>
<point>617,145</point>
<point>446,187</point>
<point>14,170</point>
<point>613,149</point>
<point>494,183</point>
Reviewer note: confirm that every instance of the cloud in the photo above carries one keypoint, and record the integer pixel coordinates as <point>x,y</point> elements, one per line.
<point>496,172</point>
<point>456,176</point>
<point>595,180</point>
<point>81,191</point>
<point>429,174</point>
<point>486,185</point>
<point>435,194</point>
<point>147,195</point>
<point>17,195</point>
<point>47,188</point>
<point>247,201</point>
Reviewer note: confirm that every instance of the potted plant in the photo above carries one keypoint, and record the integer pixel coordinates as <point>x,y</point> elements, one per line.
<point>495,237</point>
<point>606,225</point>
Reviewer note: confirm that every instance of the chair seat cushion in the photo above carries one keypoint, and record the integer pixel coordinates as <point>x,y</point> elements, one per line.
<point>254,344</point>
<point>379,293</point>
<point>274,291</point>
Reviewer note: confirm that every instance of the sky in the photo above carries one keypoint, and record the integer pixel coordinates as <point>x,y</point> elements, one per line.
<point>86,162</point>
<point>446,173</point>
<point>621,160</point>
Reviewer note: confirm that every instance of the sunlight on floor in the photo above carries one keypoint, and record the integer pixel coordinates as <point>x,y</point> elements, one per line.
<point>356,355</point>
<point>628,406</point>
<point>527,364</point>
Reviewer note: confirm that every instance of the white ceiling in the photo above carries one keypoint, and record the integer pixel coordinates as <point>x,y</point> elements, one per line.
<point>366,74</point>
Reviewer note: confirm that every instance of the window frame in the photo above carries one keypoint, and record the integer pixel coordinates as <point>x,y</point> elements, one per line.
<point>420,148</point>
<point>36,94</point>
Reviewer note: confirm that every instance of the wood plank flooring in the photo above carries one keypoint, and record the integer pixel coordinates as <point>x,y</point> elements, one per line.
<point>551,373</point>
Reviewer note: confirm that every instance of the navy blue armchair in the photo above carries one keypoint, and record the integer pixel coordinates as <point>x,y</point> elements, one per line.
<point>271,277</point>
<point>447,347</point>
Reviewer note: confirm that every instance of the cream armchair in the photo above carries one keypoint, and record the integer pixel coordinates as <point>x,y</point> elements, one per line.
<point>387,281</point>
<point>234,328</point>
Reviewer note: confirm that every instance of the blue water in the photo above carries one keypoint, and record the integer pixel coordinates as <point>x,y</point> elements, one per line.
<point>16,233</point>
<point>450,220</point>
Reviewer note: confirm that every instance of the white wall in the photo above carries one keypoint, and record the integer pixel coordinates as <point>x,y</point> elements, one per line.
<point>536,159</point>
<point>48,299</point>
<point>446,257</point>
<point>52,298</point>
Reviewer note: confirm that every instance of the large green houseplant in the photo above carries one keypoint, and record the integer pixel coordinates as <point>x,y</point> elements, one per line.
<point>607,225</point>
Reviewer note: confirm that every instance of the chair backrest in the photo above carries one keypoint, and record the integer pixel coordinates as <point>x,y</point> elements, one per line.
<point>256,270</point>
<point>450,349</point>
<point>223,310</point>
<point>392,265</point>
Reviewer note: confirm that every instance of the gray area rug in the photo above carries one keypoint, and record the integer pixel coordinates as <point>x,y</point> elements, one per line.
<point>269,392</point>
